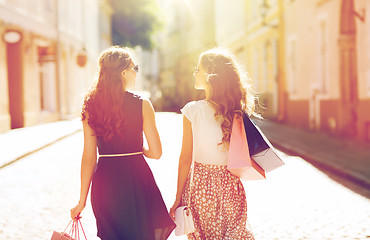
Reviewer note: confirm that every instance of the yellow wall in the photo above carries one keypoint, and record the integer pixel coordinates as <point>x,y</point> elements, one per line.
<point>363,49</point>
<point>262,52</point>
<point>66,82</point>
<point>4,100</point>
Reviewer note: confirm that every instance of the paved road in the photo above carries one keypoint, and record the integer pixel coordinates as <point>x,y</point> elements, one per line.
<point>296,201</point>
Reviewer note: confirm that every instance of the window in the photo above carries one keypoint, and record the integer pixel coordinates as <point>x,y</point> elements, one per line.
<point>256,77</point>
<point>275,68</point>
<point>265,65</point>
<point>368,82</point>
<point>49,6</point>
<point>273,2</point>
<point>48,86</point>
<point>292,65</point>
<point>368,52</point>
<point>275,55</point>
<point>323,57</point>
<point>256,4</point>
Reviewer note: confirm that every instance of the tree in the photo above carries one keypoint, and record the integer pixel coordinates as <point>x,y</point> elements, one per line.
<point>135,22</point>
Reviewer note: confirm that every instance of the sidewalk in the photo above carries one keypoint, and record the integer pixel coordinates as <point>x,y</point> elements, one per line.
<point>18,143</point>
<point>346,157</point>
<point>341,156</point>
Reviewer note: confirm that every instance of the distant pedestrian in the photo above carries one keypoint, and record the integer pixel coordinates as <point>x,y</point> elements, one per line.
<point>125,198</point>
<point>218,201</point>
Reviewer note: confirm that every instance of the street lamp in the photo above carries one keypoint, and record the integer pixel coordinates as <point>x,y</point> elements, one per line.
<point>82,57</point>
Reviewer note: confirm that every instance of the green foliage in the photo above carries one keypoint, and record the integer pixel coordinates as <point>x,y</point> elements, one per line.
<point>135,22</point>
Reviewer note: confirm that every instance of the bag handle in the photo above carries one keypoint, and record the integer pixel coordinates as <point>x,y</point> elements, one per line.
<point>78,225</point>
<point>191,179</point>
<point>75,229</point>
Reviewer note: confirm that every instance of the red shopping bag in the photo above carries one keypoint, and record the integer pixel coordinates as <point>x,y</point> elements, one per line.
<point>74,232</point>
<point>239,161</point>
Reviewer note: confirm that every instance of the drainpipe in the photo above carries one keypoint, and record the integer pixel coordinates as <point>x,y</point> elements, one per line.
<point>348,118</point>
<point>57,63</point>
<point>281,73</point>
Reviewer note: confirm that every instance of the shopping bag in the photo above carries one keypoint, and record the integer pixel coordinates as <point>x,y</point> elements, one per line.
<point>239,161</point>
<point>260,149</point>
<point>61,236</point>
<point>74,232</point>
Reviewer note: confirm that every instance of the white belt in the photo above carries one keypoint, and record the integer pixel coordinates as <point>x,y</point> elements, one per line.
<point>120,154</point>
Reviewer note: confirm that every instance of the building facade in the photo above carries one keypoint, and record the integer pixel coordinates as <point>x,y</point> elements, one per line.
<point>264,48</point>
<point>309,60</point>
<point>190,30</point>
<point>48,54</point>
<point>327,65</point>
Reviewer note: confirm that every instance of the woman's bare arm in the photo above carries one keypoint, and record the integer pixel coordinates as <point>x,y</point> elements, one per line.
<point>88,163</point>
<point>154,149</point>
<point>184,162</point>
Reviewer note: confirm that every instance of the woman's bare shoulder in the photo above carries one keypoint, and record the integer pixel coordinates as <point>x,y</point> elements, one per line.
<point>147,106</point>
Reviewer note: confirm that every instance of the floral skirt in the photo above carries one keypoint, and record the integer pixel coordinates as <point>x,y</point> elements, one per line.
<point>218,204</point>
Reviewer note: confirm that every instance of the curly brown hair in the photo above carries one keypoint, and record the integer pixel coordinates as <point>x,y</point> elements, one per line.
<point>103,103</point>
<point>230,91</point>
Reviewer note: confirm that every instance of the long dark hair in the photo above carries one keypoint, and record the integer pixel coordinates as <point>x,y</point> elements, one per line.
<point>230,88</point>
<point>103,103</point>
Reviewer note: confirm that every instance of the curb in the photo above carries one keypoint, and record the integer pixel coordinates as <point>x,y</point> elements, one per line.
<point>22,142</point>
<point>38,149</point>
<point>323,165</point>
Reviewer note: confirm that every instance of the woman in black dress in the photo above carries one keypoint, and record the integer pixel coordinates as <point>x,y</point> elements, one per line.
<point>125,198</point>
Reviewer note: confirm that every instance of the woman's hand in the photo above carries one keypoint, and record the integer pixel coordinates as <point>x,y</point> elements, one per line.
<point>77,210</point>
<point>173,208</point>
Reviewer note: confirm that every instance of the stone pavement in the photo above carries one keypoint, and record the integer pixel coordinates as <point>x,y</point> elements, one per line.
<point>296,201</point>
<point>345,157</point>
<point>18,143</point>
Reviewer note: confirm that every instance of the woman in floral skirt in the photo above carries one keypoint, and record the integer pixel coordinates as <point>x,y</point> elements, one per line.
<point>218,202</point>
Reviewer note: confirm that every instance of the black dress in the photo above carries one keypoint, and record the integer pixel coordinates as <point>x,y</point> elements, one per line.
<point>125,198</point>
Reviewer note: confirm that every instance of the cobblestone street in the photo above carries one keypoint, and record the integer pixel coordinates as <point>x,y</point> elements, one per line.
<point>296,201</point>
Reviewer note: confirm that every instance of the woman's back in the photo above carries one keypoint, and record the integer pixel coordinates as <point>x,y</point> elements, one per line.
<point>125,199</point>
<point>207,133</point>
<point>216,197</point>
<point>132,132</point>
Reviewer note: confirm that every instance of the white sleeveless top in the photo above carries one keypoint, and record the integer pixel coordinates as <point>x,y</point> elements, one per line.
<point>207,133</point>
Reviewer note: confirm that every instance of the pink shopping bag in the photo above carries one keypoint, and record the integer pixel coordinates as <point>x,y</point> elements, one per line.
<point>74,232</point>
<point>239,161</point>
<point>61,236</point>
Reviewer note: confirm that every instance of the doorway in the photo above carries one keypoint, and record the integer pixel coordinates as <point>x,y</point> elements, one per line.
<point>15,84</point>
<point>348,70</point>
